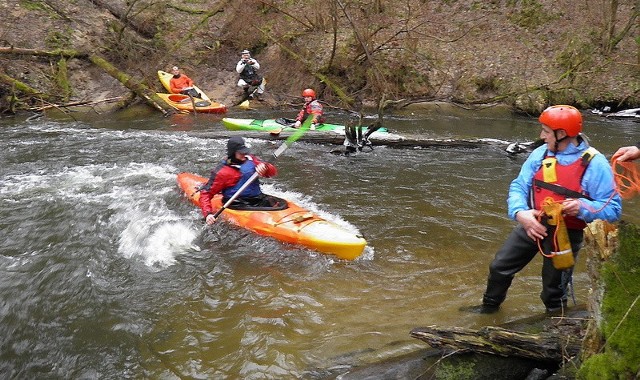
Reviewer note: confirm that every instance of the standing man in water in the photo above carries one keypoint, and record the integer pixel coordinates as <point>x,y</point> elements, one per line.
<point>568,172</point>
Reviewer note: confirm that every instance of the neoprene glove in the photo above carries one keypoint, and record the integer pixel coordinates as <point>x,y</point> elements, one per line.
<point>261,169</point>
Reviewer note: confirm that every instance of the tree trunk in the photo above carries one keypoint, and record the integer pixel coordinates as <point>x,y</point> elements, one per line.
<point>69,53</point>
<point>392,141</point>
<point>20,86</point>
<point>138,88</point>
<point>141,90</point>
<point>498,341</point>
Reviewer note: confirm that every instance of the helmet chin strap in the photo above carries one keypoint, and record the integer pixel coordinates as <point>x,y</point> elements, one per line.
<point>558,140</point>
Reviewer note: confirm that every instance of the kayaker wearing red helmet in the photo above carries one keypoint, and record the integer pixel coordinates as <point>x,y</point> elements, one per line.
<point>312,107</point>
<point>566,171</point>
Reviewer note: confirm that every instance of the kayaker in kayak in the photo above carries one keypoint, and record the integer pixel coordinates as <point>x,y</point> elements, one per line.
<point>312,107</point>
<point>248,68</point>
<point>231,174</point>
<point>182,84</point>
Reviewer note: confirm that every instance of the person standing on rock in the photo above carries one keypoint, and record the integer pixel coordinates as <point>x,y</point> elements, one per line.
<point>565,172</point>
<point>248,68</point>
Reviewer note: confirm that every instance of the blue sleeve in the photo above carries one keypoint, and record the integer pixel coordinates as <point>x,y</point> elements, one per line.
<point>518,199</point>
<point>599,183</point>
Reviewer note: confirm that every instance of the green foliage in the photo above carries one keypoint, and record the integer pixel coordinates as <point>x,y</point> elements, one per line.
<point>480,5</point>
<point>620,358</point>
<point>33,5</point>
<point>456,371</point>
<point>488,84</point>
<point>530,14</point>
<point>575,55</point>
<point>62,80</point>
<point>58,40</point>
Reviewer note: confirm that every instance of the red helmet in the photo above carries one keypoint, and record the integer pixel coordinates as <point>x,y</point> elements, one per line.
<point>562,117</point>
<point>309,92</point>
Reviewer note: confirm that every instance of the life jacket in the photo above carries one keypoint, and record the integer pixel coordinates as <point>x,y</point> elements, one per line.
<point>560,182</point>
<point>250,75</point>
<point>247,169</point>
<point>178,82</point>
<point>314,108</point>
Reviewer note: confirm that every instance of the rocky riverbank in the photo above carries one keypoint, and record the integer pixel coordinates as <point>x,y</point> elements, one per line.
<point>523,54</point>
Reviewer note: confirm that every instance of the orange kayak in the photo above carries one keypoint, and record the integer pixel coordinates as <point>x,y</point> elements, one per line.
<point>183,103</point>
<point>294,224</point>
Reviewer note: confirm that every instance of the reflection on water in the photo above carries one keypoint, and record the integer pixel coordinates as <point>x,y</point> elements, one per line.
<point>107,271</point>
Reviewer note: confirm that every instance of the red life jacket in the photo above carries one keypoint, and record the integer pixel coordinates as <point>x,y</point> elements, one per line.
<point>560,182</point>
<point>312,108</point>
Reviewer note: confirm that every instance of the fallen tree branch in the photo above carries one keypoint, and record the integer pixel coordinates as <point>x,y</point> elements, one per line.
<point>390,141</point>
<point>73,104</point>
<point>198,26</point>
<point>18,85</point>
<point>141,90</point>
<point>137,87</point>
<point>68,53</point>
<point>499,341</point>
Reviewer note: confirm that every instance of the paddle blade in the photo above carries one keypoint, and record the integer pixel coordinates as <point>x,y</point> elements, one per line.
<point>244,105</point>
<point>275,132</point>
<point>295,136</point>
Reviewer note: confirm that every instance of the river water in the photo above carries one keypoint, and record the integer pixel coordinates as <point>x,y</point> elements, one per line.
<point>106,271</point>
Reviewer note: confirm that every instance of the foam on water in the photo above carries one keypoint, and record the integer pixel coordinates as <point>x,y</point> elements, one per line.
<point>133,194</point>
<point>155,240</point>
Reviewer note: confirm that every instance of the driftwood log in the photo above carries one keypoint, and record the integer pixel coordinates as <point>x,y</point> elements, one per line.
<point>499,341</point>
<point>75,104</point>
<point>391,141</point>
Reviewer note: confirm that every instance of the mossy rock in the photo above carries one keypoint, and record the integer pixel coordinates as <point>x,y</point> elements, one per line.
<point>620,357</point>
<point>532,103</point>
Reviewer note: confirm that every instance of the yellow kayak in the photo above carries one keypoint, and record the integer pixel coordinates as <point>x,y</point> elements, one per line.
<point>293,224</point>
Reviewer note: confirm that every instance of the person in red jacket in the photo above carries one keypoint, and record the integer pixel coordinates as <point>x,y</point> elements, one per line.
<point>182,84</point>
<point>312,107</point>
<point>227,178</point>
